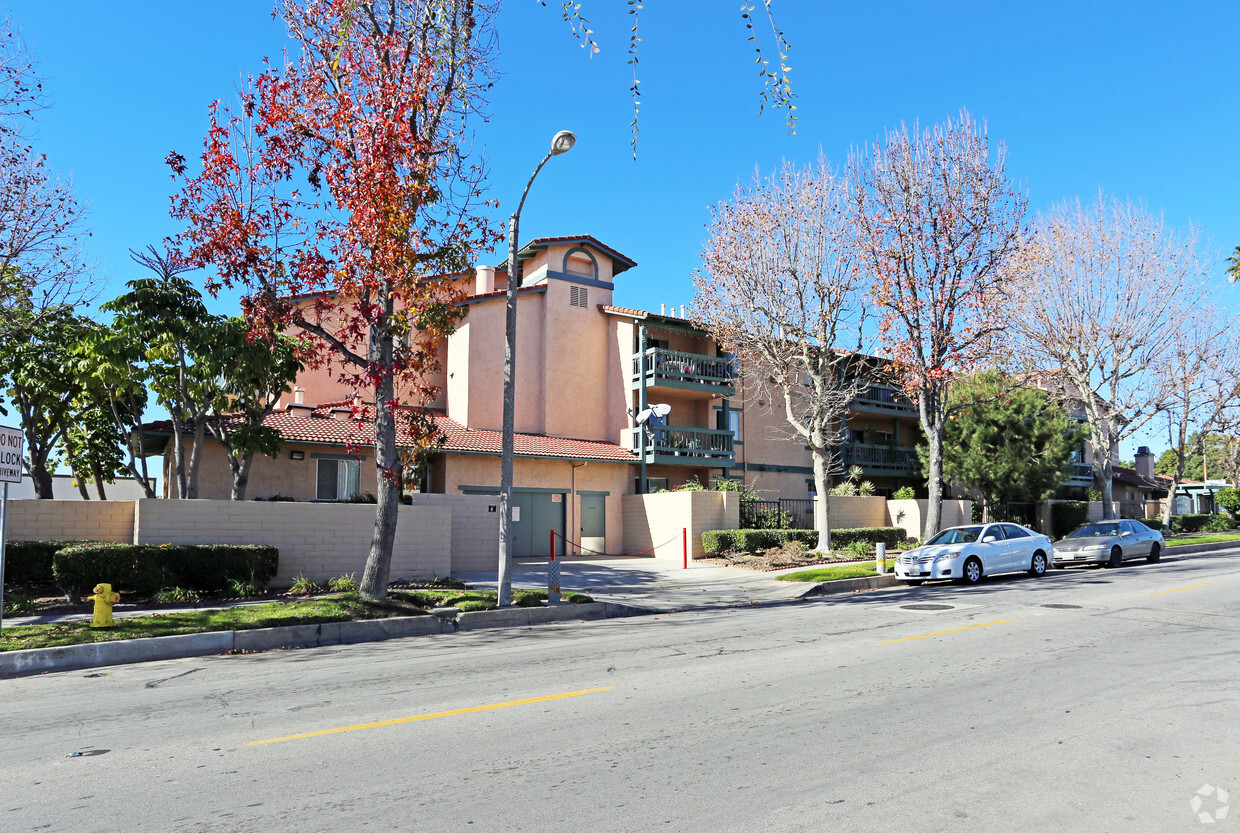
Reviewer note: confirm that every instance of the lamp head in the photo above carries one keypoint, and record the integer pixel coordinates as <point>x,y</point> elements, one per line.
<point>563,142</point>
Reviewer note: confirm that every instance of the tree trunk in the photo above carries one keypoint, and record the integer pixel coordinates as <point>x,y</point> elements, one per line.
<point>934,477</point>
<point>96,474</point>
<point>388,468</point>
<point>986,515</point>
<point>822,506</point>
<point>178,458</point>
<point>42,479</point>
<point>241,475</point>
<point>195,456</point>
<point>80,482</point>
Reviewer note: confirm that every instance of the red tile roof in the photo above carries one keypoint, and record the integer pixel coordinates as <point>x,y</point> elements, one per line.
<point>318,426</point>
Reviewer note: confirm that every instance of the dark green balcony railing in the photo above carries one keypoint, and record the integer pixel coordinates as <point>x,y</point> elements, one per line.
<point>884,398</point>
<point>880,457</point>
<point>678,369</point>
<point>682,446</point>
<point>1082,475</point>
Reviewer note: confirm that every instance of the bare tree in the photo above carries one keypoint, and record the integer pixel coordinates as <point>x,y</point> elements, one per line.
<point>42,224</point>
<point>1203,383</point>
<point>938,219</point>
<point>1100,298</point>
<point>779,287</point>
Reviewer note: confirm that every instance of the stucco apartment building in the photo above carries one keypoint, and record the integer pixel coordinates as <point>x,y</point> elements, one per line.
<point>585,367</point>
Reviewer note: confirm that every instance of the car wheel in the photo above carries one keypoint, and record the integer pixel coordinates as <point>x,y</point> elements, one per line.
<point>1117,557</point>
<point>1155,554</point>
<point>972,572</point>
<point>1037,567</point>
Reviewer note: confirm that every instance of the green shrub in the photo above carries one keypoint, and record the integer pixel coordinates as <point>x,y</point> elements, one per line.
<point>145,568</point>
<point>303,586</point>
<point>1067,516</point>
<point>361,497</point>
<point>475,604</point>
<point>718,541</point>
<point>177,595</point>
<point>755,540</point>
<point>1153,523</point>
<point>29,563</point>
<point>343,584</point>
<point>860,549</point>
<point>1191,523</point>
<point>242,589</point>
<point>903,493</point>
<point>1229,499</point>
<point>16,604</point>
<point>1218,523</point>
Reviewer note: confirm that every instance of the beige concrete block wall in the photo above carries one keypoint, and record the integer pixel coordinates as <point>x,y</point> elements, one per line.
<point>71,520</point>
<point>856,512</point>
<point>475,529</point>
<point>659,520</point>
<point>910,515</point>
<point>318,540</point>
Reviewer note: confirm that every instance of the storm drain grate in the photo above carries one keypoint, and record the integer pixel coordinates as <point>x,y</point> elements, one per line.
<point>1063,607</point>
<point>926,607</point>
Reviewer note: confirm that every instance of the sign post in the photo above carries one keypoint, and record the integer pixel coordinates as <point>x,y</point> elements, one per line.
<point>12,445</point>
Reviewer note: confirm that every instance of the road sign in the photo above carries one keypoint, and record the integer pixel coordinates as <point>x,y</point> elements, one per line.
<point>12,443</point>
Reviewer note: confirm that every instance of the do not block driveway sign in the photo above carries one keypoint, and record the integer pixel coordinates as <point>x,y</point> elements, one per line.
<point>12,443</point>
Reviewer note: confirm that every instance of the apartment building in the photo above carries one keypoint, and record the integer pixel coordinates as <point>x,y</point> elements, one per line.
<point>585,370</point>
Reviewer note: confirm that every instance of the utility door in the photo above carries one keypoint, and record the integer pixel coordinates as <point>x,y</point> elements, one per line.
<point>539,514</point>
<point>593,524</point>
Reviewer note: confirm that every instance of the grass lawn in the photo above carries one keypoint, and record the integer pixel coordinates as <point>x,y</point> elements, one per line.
<point>341,607</point>
<point>1202,539</point>
<point>860,570</point>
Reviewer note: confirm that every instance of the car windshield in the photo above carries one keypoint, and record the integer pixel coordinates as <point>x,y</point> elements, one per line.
<point>1095,531</point>
<point>960,535</point>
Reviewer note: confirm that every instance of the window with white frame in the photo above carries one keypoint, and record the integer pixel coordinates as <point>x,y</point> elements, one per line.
<point>338,479</point>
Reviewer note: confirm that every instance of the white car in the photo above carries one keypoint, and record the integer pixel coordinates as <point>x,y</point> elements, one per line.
<point>966,553</point>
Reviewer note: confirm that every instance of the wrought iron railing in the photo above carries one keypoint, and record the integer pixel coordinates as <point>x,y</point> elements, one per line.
<point>883,397</point>
<point>694,444</point>
<point>879,456</point>
<point>660,364</point>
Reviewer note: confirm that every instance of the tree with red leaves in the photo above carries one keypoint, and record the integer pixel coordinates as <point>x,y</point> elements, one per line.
<point>938,221</point>
<point>372,115</point>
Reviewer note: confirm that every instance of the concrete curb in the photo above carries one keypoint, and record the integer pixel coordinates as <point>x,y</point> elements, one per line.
<point>848,585</point>
<point>124,652</point>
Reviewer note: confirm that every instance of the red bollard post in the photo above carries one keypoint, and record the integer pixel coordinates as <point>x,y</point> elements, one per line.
<point>685,544</point>
<point>553,572</point>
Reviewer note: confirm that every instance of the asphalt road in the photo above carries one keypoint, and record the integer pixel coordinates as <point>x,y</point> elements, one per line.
<point>855,713</point>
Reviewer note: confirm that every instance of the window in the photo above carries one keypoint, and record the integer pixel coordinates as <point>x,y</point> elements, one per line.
<point>578,296</point>
<point>338,479</point>
<point>653,484</point>
<point>733,423</point>
<point>1013,532</point>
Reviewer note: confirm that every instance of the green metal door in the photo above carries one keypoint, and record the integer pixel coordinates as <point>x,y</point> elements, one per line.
<point>538,514</point>
<point>593,524</point>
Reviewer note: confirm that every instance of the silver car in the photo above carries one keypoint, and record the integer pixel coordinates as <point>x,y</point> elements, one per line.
<point>1109,543</point>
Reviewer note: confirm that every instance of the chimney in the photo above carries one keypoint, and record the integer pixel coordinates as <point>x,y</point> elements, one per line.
<point>662,309</point>
<point>341,413</point>
<point>1144,463</point>
<point>485,282</point>
<point>682,310</point>
<point>299,394</point>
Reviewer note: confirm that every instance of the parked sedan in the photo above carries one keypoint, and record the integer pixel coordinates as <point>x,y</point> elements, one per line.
<point>1109,543</point>
<point>966,553</point>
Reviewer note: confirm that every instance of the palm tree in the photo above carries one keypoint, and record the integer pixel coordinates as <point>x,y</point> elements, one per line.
<point>1233,271</point>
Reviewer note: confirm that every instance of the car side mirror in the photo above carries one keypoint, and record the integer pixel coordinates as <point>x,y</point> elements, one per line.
<point>1125,534</point>
<point>989,539</point>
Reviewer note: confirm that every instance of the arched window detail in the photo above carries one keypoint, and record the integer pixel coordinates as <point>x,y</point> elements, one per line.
<point>574,263</point>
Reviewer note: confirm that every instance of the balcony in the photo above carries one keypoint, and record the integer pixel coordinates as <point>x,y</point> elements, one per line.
<point>883,400</point>
<point>679,446</point>
<point>1082,475</point>
<point>689,372</point>
<point>881,459</point>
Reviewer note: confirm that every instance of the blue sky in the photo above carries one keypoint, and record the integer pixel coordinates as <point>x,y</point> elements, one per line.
<point>1139,98</point>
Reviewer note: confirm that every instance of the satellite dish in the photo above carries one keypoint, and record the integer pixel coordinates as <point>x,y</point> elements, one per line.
<point>643,416</point>
<point>659,412</point>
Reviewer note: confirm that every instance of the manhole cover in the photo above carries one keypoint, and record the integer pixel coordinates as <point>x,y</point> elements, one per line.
<point>1063,607</point>
<point>926,607</point>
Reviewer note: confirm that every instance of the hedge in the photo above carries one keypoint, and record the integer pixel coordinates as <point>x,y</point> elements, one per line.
<point>1067,516</point>
<point>718,541</point>
<point>146,568</point>
<point>1152,523</point>
<point>1199,523</point>
<point>29,563</point>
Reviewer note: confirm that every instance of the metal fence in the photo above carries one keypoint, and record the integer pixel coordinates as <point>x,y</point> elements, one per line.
<point>785,513</point>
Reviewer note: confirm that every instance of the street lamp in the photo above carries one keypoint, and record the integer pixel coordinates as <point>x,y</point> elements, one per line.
<point>562,142</point>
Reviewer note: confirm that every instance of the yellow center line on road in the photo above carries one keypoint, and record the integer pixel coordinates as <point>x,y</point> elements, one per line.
<point>953,630</point>
<point>452,713</point>
<point>1178,589</point>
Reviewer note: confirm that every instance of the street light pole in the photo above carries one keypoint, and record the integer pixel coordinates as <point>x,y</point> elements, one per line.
<point>562,142</point>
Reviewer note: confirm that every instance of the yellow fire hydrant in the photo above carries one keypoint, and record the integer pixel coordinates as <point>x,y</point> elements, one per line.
<point>104,598</point>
